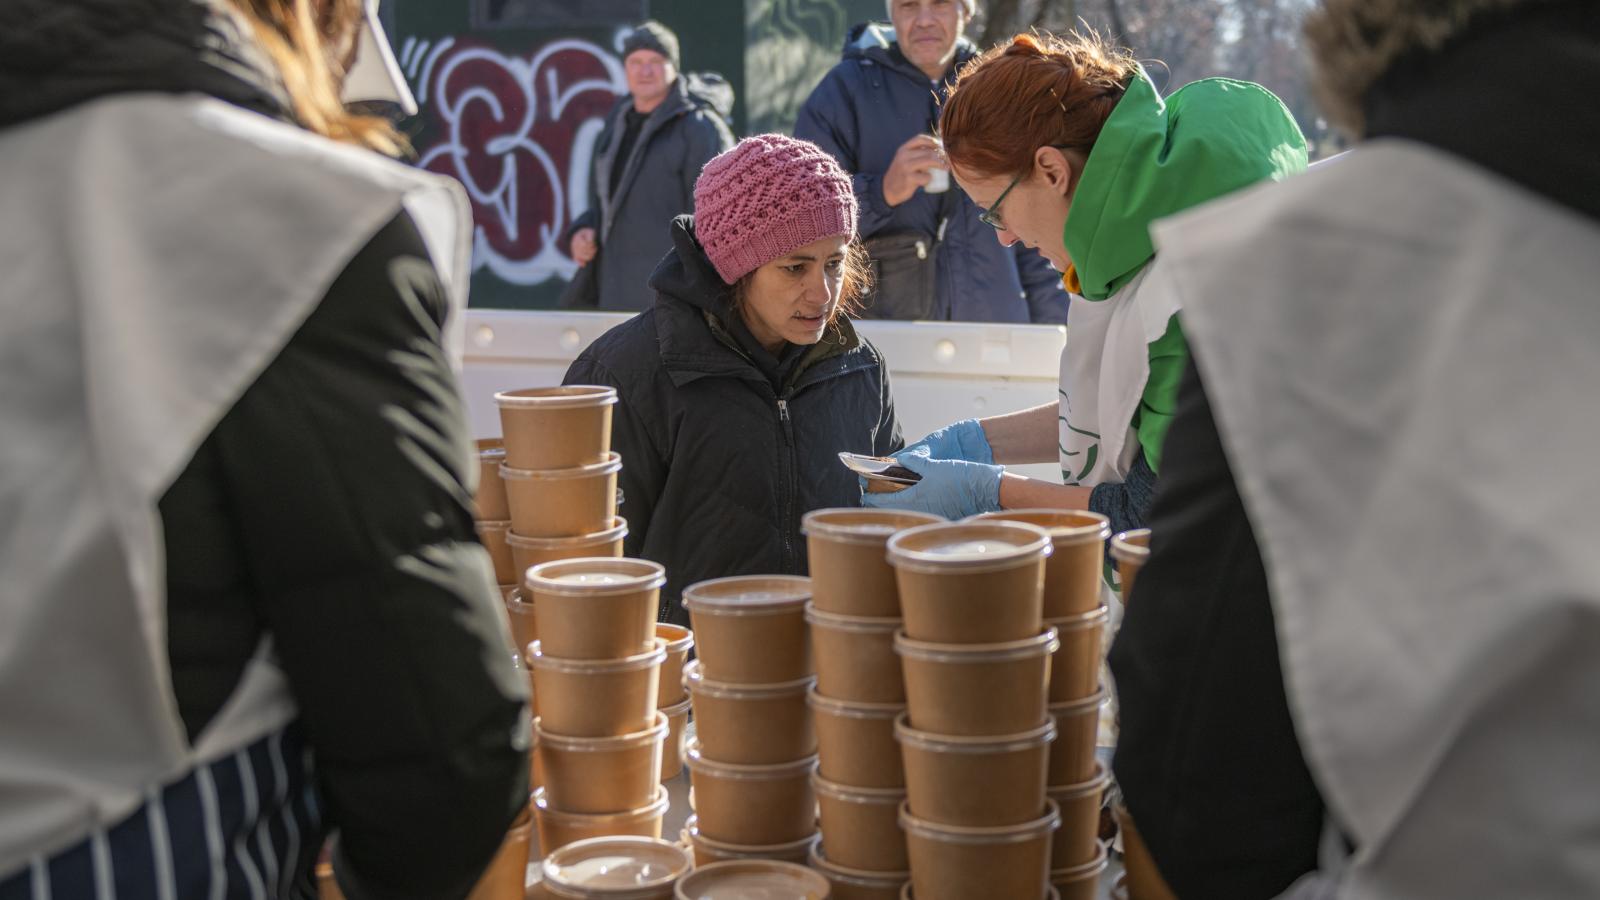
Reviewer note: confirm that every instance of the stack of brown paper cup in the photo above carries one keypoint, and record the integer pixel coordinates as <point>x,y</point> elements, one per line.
<point>600,734</point>
<point>860,782</point>
<point>1072,606</point>
<point>975,738</point>
<point>614,868</point>
<point>754,748</point>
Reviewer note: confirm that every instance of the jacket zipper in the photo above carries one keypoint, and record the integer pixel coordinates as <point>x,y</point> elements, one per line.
<point>786,426</point>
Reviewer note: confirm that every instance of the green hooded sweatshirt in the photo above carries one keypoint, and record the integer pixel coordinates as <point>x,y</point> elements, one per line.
<point>1153,159</point>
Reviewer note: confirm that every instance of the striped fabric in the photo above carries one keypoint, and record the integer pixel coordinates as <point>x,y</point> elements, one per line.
<point>245,826</point>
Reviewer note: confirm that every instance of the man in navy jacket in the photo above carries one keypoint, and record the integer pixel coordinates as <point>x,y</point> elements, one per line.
<point>875,113</point>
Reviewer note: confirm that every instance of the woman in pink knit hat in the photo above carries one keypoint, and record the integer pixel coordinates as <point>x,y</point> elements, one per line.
<point>745,381</point>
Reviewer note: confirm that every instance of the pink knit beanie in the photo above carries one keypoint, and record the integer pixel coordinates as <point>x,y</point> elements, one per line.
<point>767,197</point>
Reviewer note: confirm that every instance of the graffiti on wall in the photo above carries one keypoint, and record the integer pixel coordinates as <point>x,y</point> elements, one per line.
<point>519,132</point>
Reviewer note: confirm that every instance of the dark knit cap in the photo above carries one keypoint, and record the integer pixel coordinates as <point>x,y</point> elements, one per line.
<point>652,35</point>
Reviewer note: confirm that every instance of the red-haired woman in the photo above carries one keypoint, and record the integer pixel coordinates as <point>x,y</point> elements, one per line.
<point>1068,147</point>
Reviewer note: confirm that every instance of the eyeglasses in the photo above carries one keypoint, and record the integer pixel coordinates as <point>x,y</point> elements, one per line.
<point>991,216</point>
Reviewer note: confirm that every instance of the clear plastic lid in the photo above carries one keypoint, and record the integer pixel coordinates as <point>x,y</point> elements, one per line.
<point>679,639</point>
<point>1044,643</point>
<point>617,531</point>
<point>862,526</point>
<point>695,682</point>
<point>748,594</point>
<point>737,772</point>
<point>655,733</point>
<point>1065,526</point>
<point>851,710</point>
<point>1131,546</point>
<point>1041,827</point>
<point>560,397</point>
<point>855,877</point>
<point>975,743</point>
<point>855,624</point>
<point>655,656</point>
<point>753,879</point>
<point>608,466</point>
<point>614,868</point>
<point>968,546</point>
<point>591,576</point>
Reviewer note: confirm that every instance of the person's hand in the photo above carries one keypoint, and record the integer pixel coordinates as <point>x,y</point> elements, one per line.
<point>909,169</point>
<point>583,246</point>
<point>952,488</point>
<point>959,440</point>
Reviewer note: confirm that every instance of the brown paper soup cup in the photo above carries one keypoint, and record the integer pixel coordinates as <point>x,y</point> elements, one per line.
<point>752,804</point>
<point>751,629</point>
<point>1077,727</point>
<point>528,552</point>
<point>596,697</point>
<point>952,862</point>
<point>507,874</point>
<point>551,503</point>
<point>596,608</point>
<point>708,851</point>
<point>1130,549</point>
<point>970,582</point>
<point>855,657</point>
<point>1075,841</point>
<point>864,825</point>
<point>604,774</point>
<point>977,688</point>
<point>1076,567</point>
<point>492,535</point>
<point>558,829</point>
<point>679,642</point>
<point>976,781</point>
<point>615,868</point>
<point>751,724</point>
<point>489,502</point>
<point>856,884</point>
<point>746,879</point>
<point>850,574</point>
<point>856,742</point>
<point>672,754</point>
<point>556,427</point>
<point>1081,882</point>
<point>1075,667</point>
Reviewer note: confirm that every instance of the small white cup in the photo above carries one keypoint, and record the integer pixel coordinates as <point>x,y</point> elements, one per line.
<point>938,181</point>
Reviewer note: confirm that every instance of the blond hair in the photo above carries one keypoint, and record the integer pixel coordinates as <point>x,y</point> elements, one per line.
<point>309,48</point>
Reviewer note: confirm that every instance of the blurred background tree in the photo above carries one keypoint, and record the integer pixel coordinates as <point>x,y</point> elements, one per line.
<point>1182,40</point>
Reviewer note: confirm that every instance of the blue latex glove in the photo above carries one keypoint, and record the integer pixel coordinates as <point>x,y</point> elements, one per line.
<point>960,440</point>
<point>952,488</point>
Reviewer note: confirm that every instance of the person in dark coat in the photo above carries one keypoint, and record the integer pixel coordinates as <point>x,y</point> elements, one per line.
<point>244,607</point>
<point>742,384</point>
<point>647,158</point>
<point>1280,726</point>
<point>875,112</point>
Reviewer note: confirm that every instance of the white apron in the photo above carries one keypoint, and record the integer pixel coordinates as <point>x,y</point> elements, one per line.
<point>1104,367</point>
<point>1403,356</point>
<point>159,251</point>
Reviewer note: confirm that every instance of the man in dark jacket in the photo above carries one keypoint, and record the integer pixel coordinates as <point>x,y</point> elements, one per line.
<point>646,160</point>
<point>875,112</point>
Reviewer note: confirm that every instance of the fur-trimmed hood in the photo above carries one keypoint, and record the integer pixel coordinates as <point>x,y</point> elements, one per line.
<point>1355,43</point>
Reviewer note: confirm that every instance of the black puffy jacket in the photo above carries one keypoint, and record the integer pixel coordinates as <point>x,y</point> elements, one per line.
<point>718,464</point>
